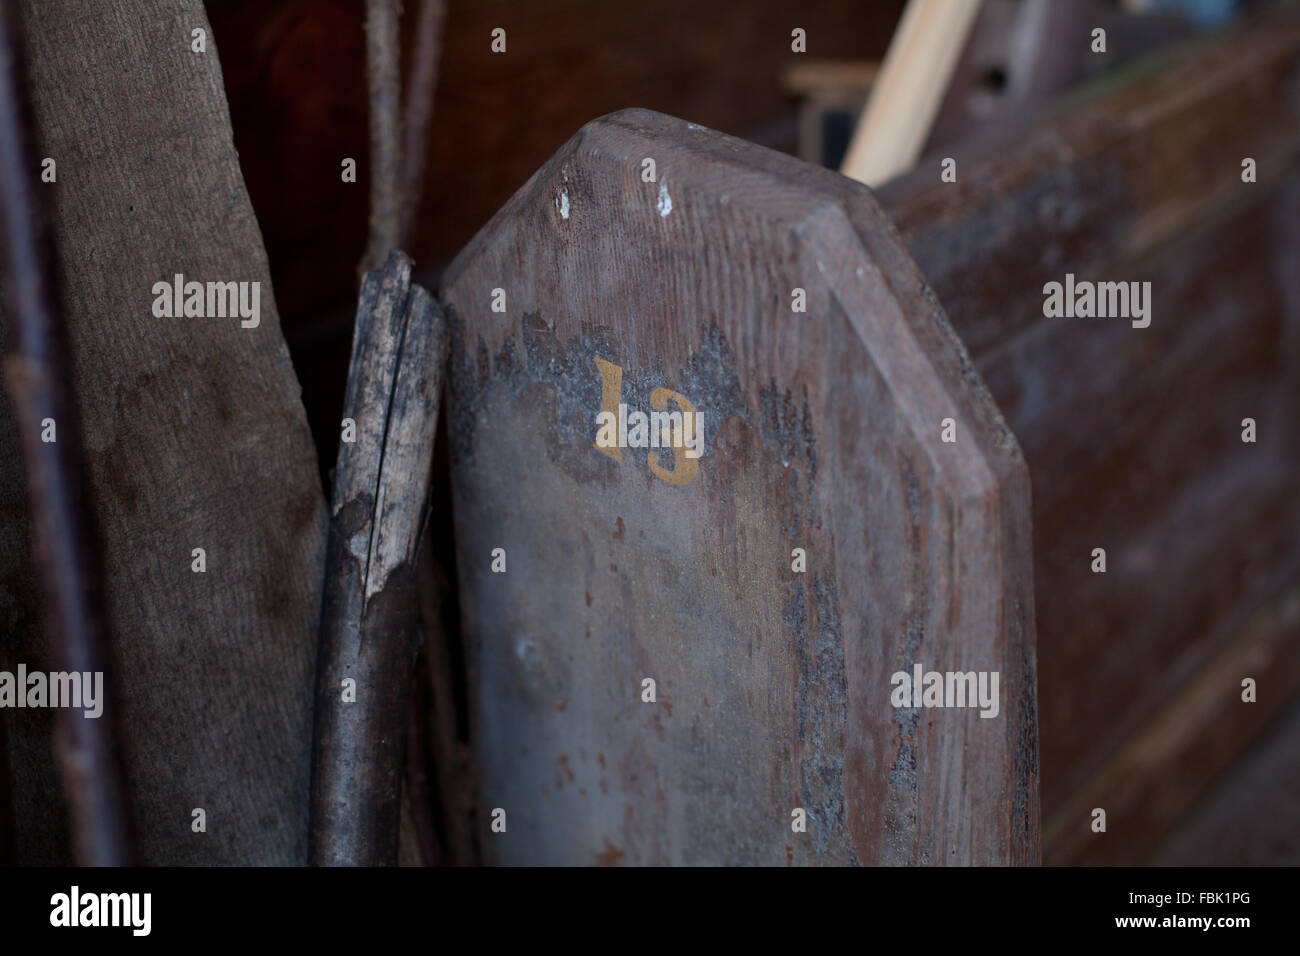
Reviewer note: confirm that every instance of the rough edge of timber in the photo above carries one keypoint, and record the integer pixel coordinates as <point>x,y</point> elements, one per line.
<point>369,610</point>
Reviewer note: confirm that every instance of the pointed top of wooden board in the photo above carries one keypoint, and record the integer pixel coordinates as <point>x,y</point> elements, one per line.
<point>660,266</point>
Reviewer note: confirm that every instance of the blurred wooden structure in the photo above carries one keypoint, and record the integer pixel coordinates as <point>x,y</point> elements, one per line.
<point>1133,436</point>
<point>831,94</point>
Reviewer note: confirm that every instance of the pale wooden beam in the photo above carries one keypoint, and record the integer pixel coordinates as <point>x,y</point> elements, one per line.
<point>909,89</point>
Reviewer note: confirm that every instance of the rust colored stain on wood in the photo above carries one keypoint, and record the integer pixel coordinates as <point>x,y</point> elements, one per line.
<point>822,431</point>
<point>610,856</point>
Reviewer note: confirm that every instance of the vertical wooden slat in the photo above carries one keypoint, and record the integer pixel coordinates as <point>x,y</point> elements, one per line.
<point>823,432</point>
<point>369,617</point>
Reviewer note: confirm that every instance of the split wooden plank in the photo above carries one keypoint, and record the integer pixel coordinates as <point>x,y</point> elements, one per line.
<point>369,617</point>
<point>195,437</point>
<point>583,575</point>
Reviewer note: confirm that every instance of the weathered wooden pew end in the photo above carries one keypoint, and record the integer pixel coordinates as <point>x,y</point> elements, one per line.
<point>793,623</point>
<point>805,630</point>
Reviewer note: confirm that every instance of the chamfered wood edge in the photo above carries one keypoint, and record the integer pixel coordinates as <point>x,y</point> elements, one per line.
<point>990,472</point>
<point>796,194</point>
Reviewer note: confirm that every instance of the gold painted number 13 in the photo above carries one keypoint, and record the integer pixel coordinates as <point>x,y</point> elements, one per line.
<point>611,380</point>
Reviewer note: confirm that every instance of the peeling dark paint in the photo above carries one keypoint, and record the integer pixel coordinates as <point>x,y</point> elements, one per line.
<point>821,709</point>
<point>902,803</point>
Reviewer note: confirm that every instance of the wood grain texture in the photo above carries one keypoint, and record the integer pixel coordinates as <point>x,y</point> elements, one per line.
<point>195,437</point>
<point>295,76</point>
<point>1133,436</point>
<point>822,432</point>
<point>370,610</point>
<point>1134,439</point>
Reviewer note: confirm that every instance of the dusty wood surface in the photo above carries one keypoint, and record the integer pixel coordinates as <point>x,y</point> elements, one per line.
<point>195,437</point>
<point>370,611</point>
<point>1138,446</point>
<point>1133,436</point>
<point>822,432</point>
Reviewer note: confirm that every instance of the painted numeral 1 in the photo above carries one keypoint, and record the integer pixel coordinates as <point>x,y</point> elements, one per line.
<point>685,468</point>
